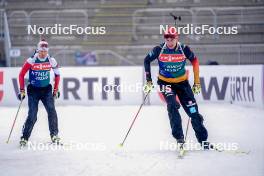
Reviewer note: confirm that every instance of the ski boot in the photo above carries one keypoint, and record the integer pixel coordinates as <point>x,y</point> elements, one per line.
<point>23,142</point>
<point>55,139</point>
<point>181,147</point>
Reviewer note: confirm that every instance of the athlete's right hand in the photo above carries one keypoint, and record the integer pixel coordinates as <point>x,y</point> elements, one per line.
<point>21,96</point>
<point>56,93</point>
<point>148,87</point>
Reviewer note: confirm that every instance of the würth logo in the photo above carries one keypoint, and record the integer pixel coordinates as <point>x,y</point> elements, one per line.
<point>1,83</point>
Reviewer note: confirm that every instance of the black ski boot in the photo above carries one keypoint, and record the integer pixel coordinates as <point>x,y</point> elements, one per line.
<point>55,139</point>
<point>23,142</point>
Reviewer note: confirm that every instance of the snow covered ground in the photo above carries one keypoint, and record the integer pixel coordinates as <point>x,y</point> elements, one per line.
<point>105,127</point>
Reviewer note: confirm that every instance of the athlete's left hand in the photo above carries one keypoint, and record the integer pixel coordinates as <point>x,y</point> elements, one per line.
<point>56,94</point>
<point>148,87</point>
<point>196,88</point>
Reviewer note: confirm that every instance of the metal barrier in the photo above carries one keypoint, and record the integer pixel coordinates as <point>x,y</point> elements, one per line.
<point>235,53</point>
<point>30,16</point>
<point>2,11</point>
<point>62,55</point>
<point>159,10</point>
<point>7,41</point>
<point>194,13</point>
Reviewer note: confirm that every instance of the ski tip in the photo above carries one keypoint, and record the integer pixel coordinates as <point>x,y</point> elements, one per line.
<point>243,152</point>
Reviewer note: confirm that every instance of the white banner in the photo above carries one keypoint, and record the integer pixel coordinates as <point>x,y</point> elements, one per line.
<point>101,86</point>
<point>242,84</point>
<point>84,86</point>
<point>9,86</point>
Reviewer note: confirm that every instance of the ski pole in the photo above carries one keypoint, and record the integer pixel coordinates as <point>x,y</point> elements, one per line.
<point>186,132</point>
<point>121,144</point>
<point>14,121</point>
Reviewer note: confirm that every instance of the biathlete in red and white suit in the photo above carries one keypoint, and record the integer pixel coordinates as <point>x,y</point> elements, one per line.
<point>40,89</point>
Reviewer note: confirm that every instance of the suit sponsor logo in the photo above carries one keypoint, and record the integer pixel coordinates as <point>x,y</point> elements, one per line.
<point>172,58</point>
<point>41,66</point>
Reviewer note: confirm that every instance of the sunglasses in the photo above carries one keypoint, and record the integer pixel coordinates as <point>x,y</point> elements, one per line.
<point>44,45</point>
<point>169,36</point>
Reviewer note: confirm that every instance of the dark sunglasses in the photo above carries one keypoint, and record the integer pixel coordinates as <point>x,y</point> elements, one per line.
<point>44,46</point>
<point>169,36</point>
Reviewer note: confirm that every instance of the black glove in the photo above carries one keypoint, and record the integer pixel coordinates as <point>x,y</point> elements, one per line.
<point>56,94</point>
<point>21,96</point>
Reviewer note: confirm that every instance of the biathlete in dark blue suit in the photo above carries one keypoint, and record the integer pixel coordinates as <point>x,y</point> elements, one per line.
<point>173,80</point>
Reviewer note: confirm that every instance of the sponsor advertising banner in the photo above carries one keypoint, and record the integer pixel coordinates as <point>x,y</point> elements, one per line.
<point>242,85</point>
<point>84,86</point>
<point>225,83</point>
